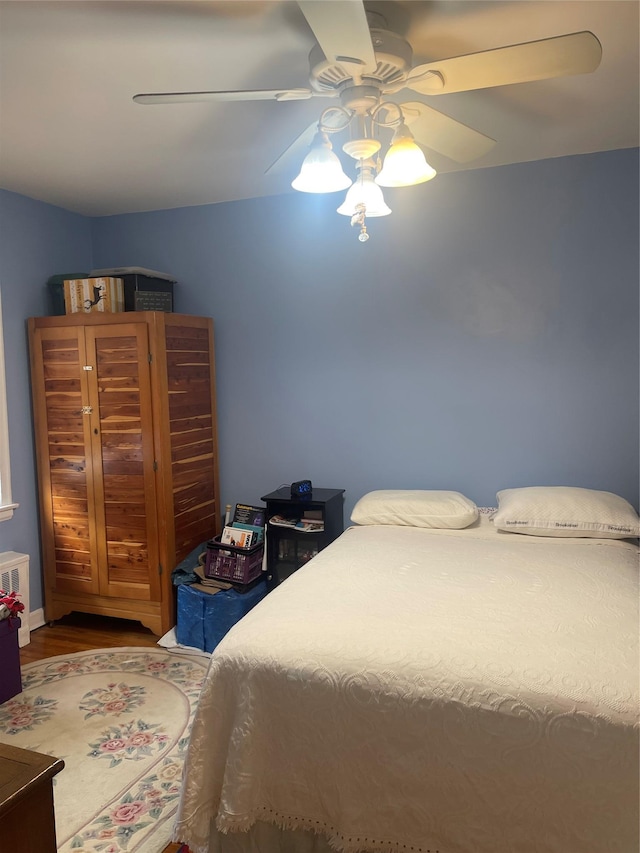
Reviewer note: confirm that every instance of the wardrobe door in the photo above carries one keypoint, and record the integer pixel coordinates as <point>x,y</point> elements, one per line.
<point>63,450</point>
<point>123,460</point>
<point>194,501</point>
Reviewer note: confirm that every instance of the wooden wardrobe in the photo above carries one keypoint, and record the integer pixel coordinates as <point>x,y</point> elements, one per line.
<point>127,457</point>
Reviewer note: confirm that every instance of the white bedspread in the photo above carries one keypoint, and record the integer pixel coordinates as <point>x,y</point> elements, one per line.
<point>418,690</point>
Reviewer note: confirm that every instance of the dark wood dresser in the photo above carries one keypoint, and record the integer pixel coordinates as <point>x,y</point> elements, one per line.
<point>26,800</point>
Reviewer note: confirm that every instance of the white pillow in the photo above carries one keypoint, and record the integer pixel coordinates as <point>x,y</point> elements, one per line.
<point>565,511</point>
<point>415,508</point>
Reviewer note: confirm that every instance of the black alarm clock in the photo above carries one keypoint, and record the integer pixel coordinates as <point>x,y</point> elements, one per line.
<point>301,490</point>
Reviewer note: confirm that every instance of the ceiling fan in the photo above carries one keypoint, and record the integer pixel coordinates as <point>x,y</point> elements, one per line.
<point>353,51</point>
<point>360,62</point>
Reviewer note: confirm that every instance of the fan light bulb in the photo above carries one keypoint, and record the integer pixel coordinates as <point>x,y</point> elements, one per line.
<point>365,192</point>
<point>405,163</point>
<point>321,170</point>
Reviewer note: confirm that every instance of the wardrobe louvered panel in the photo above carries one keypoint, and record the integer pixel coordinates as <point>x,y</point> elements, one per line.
<point>120,390</point>
<point>69,471</point>
<point>193,437</point>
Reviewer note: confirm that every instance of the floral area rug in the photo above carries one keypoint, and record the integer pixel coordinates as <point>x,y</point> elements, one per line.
<point>120,719</point>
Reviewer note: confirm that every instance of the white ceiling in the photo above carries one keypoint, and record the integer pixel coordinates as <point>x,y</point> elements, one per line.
<point>70,134</point>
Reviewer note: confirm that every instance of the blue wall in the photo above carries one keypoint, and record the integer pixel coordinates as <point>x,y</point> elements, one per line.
<point>36,241</point>
<point>485,337</point>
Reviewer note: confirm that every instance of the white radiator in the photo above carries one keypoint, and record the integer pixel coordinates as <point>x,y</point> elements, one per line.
<point>14,576</point>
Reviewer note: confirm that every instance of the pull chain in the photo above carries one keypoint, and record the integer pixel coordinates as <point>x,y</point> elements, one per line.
<point>358,219</point>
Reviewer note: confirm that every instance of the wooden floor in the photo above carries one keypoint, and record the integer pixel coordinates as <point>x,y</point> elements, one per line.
<point>80,632</point>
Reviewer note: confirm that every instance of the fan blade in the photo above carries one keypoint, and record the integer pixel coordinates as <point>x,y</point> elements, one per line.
<point>342,31</point>
<point>577,53</point>
<point>444,134</point>
<point>295,153</point>
<point>293,156</point>
<point>241,95</point>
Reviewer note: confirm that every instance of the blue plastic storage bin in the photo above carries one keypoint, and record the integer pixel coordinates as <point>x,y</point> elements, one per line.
<point>204,619</point>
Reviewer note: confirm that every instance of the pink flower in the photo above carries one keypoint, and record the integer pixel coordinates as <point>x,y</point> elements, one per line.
<point>140,739</point>
<point>68,667</point>
<point>157,666</point>
<point>21,721</point>
<point>113,745</point>
<point>116,705</point>
<point>107,833</point>
<point>127,813</point>
<point>10,601</point>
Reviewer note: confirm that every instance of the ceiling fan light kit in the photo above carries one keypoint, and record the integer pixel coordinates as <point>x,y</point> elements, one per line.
<point>360,61</point>
<point>364,193</point>
<point>405,164</point>
<point>321,170</point>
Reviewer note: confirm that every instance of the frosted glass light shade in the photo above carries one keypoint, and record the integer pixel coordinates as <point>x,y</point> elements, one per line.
<point>365,191</point>
<point>321,170</point>
<point>405,163</point>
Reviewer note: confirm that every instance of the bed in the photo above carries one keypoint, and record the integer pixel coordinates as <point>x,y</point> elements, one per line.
<point>428,689</point>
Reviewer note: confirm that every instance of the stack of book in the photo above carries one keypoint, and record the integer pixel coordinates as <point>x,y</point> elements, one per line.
<point>246,529</point>
<point>304,524</point>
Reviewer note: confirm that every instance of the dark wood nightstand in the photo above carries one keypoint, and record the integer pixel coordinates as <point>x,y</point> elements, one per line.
<point>289,548</point>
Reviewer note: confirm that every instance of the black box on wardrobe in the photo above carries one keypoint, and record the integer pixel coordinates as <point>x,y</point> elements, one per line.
<point>144,290</point>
